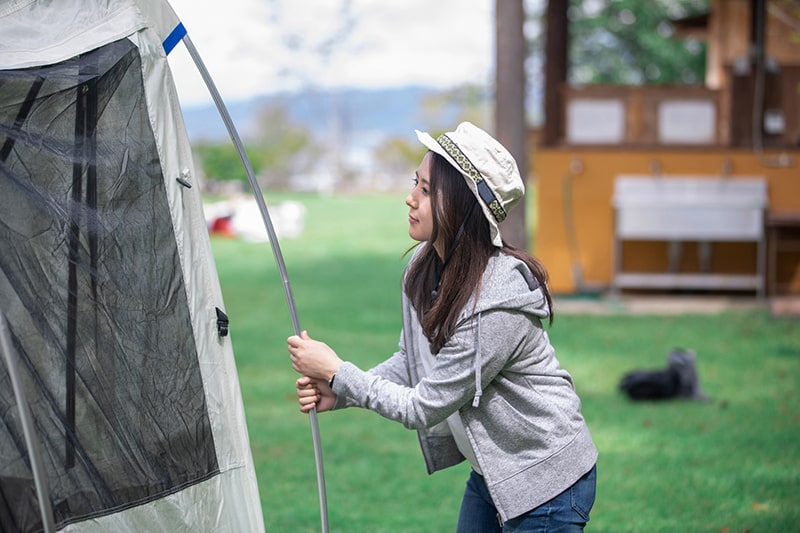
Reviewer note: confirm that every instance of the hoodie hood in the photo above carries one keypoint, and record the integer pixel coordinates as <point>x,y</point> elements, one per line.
<point>508,284</point>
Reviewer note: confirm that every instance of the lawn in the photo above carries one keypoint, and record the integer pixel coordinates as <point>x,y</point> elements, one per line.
<point>728,465</point>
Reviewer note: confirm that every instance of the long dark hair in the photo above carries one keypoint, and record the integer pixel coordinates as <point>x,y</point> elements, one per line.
<point>440,291</point>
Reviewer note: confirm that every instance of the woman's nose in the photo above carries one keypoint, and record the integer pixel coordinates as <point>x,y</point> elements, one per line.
<point>410,199</point>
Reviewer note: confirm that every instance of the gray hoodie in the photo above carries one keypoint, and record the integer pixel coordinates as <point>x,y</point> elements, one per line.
<point>500,373</point>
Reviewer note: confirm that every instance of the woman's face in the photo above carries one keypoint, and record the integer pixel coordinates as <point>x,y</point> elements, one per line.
<point>420,217</point>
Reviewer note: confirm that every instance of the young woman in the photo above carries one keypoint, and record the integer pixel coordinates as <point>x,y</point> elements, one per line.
<point>475,373</point>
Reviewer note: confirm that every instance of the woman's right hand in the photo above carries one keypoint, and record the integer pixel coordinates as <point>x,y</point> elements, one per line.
<point>314,393</point>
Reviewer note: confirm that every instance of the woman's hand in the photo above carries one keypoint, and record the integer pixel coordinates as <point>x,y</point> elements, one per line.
<point>314,393</point>
<point>313,358</point>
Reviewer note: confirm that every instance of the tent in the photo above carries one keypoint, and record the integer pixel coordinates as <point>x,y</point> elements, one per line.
<point>111,306</point>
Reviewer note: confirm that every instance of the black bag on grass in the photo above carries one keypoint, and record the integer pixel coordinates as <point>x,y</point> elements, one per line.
<point>650,384</point>
<point>678,379</point>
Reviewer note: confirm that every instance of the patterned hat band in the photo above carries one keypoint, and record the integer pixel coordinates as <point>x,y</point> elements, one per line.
<point>468,169</point>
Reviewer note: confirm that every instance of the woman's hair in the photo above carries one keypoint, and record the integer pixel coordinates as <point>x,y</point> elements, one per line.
<point>440,291</point>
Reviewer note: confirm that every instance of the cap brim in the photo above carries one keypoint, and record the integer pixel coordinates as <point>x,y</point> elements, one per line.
<point>434,146</point>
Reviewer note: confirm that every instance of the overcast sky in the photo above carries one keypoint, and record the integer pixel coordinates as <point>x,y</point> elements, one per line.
<point>255,47</point>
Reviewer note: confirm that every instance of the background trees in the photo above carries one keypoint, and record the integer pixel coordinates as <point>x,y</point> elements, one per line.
<point>609,42</point>
<point>633,42</point>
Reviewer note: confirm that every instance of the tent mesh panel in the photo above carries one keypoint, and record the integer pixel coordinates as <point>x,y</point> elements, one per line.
<point>93,291</point>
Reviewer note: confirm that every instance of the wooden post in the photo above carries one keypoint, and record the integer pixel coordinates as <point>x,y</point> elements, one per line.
<point>510,121</point>
<point>555,70</point>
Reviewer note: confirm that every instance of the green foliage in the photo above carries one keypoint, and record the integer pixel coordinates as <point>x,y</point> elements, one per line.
<point>283,148</point>
<point>221,161</point>
<point>633,42</point>
<point>731,464</point>
<point>468,102</point>
<point>397,154</point>
<point>279,149</point>
<point>440,112</point>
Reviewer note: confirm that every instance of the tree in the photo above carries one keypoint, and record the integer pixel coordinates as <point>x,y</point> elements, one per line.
<point>221,162</point>
<point>396,155</point>
<point>282,148</point>
<point>607,41</point>
<point>444,109</point>
<point>632,42</point>
<point>279,150</point>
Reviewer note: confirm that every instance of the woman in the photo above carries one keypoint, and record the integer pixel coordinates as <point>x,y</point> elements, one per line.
<point>475,373</point>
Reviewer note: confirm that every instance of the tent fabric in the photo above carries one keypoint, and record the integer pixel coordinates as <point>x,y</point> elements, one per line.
<point>42,32</point>
<point>108,283</point>
<point>45,32</point>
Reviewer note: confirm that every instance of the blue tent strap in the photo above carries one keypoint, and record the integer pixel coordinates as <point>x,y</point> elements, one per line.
<point>174,38</point>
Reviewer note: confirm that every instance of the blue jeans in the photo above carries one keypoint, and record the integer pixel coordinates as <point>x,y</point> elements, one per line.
<point>566,513</point>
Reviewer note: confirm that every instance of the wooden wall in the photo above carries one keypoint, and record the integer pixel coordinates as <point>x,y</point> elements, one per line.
<point>574,191</point>
<point>728,36</point>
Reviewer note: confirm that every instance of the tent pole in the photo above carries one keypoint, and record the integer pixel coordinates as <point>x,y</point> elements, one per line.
<point>29,430</point>
<point>276,250</point>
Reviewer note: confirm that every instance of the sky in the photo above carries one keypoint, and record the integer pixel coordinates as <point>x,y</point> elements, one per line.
<point>255,47</point>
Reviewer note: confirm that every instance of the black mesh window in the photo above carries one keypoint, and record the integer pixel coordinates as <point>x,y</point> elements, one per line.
<point>92,288</point>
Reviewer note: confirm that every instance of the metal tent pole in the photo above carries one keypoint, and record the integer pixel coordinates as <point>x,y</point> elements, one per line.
<point>276,250</point>
<point>28,429</point>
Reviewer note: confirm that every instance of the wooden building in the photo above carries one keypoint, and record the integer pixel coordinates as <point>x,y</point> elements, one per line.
<point>663,188</point>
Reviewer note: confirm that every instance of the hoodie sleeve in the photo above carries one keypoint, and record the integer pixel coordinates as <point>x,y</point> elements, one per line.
<point>451,382</point>
<point>394,369</point>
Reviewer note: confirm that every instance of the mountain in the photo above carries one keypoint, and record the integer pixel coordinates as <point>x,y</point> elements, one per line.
<point>364,115</point>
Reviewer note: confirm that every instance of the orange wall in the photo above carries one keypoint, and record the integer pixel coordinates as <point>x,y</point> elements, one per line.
<point>592,181</point>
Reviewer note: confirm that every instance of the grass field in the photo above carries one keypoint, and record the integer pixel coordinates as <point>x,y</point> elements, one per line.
<point>730,465</point>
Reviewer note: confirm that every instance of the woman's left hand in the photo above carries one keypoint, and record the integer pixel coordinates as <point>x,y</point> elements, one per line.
<point>312,358</point>
<point>314,393</point>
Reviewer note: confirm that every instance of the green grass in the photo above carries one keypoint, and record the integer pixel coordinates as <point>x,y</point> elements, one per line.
<point>729,465</point>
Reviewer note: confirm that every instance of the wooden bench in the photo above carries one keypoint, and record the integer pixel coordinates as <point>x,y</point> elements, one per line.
<point>678,209</point>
